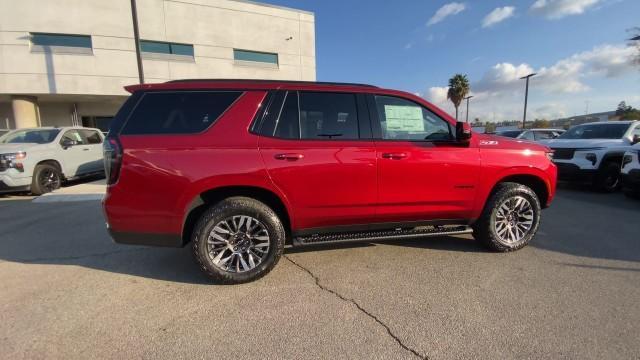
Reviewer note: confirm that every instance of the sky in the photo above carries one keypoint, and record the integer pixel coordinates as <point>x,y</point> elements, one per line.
<point>577,47</point>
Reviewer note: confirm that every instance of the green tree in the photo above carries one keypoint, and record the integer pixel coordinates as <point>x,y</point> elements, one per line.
<point>458,90</point>
<point>490,127</point>
<point>626,112</point>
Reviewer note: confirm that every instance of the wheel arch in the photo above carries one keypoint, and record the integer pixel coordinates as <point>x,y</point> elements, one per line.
<point>535,183</point>
<point>51,162</point>
<point>212,196</point>
<point>615,156</point>
<point>534,178</point>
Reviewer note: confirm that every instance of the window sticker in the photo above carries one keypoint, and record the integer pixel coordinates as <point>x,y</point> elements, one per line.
<point>404,118</point>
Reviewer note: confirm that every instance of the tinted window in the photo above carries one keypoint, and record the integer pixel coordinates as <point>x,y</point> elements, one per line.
<point>509,133</point>
<point>92,136</point>
<point>543,135</point>
<point>402,119</point>
<point>30,136</point>
<point>72,136</point>
<point>255,56</point>
<point>596,131</point>
<point>178,112</point>
<point>527,135</point>
<point>159,47</point>
<point>328,116</point>
<point>288,123</point>
<point>83,41</point>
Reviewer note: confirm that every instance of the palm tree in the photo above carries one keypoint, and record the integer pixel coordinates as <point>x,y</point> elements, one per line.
<point>458,90</point>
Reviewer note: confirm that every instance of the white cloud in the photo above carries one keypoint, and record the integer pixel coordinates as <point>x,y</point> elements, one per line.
<point>445,11</point>
<point>498,15</point>
<point>556,9</point>
<point>500,91</point>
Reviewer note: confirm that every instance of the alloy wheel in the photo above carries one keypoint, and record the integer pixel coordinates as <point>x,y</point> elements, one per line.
<point>238,243</point>
<point>49,180</point>
<point>514,220</point>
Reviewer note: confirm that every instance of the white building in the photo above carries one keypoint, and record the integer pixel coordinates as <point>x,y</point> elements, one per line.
<point>65,62</point>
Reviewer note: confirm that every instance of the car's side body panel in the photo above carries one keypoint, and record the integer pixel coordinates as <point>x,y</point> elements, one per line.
<point>322,183</point>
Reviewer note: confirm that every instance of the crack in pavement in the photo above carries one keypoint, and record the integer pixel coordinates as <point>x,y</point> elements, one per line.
<point>341,297</point>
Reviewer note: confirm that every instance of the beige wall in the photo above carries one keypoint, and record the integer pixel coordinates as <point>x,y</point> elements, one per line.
<point>214,27</point>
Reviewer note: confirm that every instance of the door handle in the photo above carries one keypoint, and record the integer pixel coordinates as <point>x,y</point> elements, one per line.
<point>85,149</point>
<point>288,156</point>
<point>394,156</point>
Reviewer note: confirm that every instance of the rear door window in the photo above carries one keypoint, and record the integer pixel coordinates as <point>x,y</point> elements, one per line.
<point>73,137</point>
<point>185,112</point>
<point>328,116</point>
<point>92,137</point>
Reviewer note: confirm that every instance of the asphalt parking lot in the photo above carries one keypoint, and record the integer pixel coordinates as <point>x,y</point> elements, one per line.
<point>67,291</point>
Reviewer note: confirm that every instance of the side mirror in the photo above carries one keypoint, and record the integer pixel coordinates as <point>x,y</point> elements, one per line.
<point>635,139</point>
<point>67,143</point>
<point>463,132</point>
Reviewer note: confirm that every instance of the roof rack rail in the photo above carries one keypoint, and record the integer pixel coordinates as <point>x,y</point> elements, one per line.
<point>273,81</point>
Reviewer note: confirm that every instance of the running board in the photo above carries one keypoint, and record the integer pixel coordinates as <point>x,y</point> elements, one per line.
<point>422,231</point>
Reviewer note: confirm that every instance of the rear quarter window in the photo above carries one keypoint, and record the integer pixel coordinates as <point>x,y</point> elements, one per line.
<point>185,112</point>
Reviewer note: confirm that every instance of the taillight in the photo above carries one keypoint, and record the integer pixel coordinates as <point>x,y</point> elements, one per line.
<point>112,151</point>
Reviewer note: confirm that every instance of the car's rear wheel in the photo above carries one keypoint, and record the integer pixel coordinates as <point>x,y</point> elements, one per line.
<point>607,179</point>
<point>510,218</point>
<point>46,178</point>
<point>238,240</point>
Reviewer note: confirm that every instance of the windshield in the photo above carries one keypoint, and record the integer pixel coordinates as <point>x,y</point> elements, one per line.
<point>596,131</point>
<point>510,133</point>
<point>43,136</point>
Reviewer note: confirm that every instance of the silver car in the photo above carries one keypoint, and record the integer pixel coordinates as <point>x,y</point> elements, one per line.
<point>40,159</point>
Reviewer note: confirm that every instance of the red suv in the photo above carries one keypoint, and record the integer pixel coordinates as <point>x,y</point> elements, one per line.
<point>241,167</point>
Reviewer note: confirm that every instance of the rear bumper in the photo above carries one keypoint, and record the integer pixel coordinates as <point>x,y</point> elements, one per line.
<point>631,180</point>
<point>146,239</point>
<point>572,172</point>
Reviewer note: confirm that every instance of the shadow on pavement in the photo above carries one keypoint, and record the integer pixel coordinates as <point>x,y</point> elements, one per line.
<point>601,226</point>
<point>593,225</point>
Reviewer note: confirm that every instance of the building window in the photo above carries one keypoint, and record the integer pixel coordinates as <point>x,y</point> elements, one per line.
<point>61,43</point>
<point>166,51</point>
<point>247,57</point>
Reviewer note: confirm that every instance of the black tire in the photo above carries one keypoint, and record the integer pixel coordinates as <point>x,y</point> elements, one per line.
<point>228,208</point>
<point>46,178</point>
<point>607,179</point>
<point>484,229</point>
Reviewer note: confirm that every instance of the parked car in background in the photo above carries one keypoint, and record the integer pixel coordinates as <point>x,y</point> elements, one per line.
<point>532,134</point>
<point>39,160</point>
<point>239,167</point>
<point>593,152</point>
<point>631,171</point>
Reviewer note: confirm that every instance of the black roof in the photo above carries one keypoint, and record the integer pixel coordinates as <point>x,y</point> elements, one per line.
<point>263,81</point>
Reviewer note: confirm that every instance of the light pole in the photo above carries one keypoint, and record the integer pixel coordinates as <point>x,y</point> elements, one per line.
<point>136,37</point>
<point>526,95</point>
<point>467,98</point>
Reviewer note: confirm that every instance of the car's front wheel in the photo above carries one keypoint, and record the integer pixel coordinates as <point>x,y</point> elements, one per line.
<point>238,240</point>
<point>607,179</point>
<point>46,178</point>
<point>510,218</point>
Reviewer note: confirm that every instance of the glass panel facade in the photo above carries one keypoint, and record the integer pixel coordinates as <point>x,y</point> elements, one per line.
<point>246,55</point>
<point>81,41</point>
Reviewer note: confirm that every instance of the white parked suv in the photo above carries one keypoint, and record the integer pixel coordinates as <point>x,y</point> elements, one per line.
<point>593,152</point>
<point>631,172</point>
<point>40,159</point>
